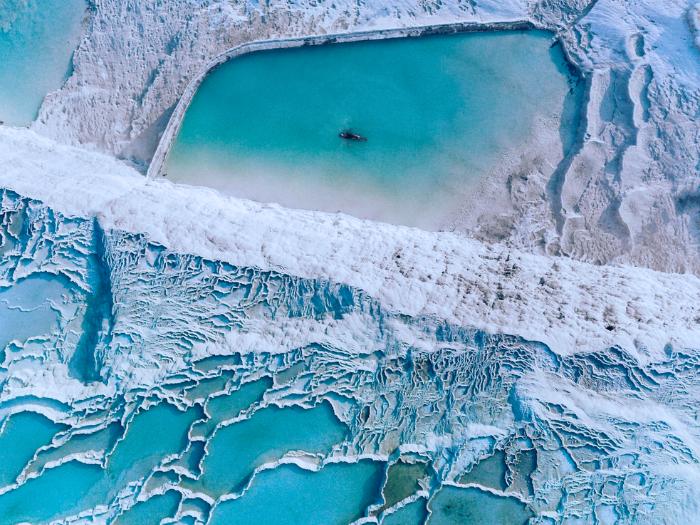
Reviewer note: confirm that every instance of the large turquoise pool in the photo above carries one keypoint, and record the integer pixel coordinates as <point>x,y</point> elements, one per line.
<point>37,40</point>
<point>438,112</point>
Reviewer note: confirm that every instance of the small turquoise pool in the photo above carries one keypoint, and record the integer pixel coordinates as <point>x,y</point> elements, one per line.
<point>21,436</point>
<point>37,40</point>
<point>236,450</point>
<point>73,486</point>
<point>288,495</point>
<point>438,112</point>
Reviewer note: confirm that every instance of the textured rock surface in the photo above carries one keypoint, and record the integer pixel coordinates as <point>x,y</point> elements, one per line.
<point>607,435</point>
<point>555,300</point>
<point>492,378</point>
<point>628,191</point>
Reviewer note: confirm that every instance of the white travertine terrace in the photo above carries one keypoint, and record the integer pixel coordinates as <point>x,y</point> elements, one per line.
<point>157,164</point>
<point>448,347</point>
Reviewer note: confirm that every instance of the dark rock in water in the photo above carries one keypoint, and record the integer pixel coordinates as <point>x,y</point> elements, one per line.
<point>349,135</point>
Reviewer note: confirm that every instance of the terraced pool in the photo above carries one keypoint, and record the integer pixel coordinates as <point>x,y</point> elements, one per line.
<point>438,113</point>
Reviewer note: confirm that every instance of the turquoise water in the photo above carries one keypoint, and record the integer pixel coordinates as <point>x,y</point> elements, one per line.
<point>22,435</point>
<point>37,40</point>
<point>221,408</point>
<point>236,450</point>
<point>438,112</point>
<point>73,486</point>
<point>28,309</point>
<point>62,491</point>
<point>207,387</point>
<point>225,407</point>
<point>79,444</point>
<point>153,434</point>
<point>288,495</point>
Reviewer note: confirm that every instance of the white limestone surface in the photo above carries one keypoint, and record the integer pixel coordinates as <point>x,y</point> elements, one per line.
<point>570,306</point>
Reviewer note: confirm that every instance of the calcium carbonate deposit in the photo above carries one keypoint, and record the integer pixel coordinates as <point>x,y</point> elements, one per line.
<point>175,354</point>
